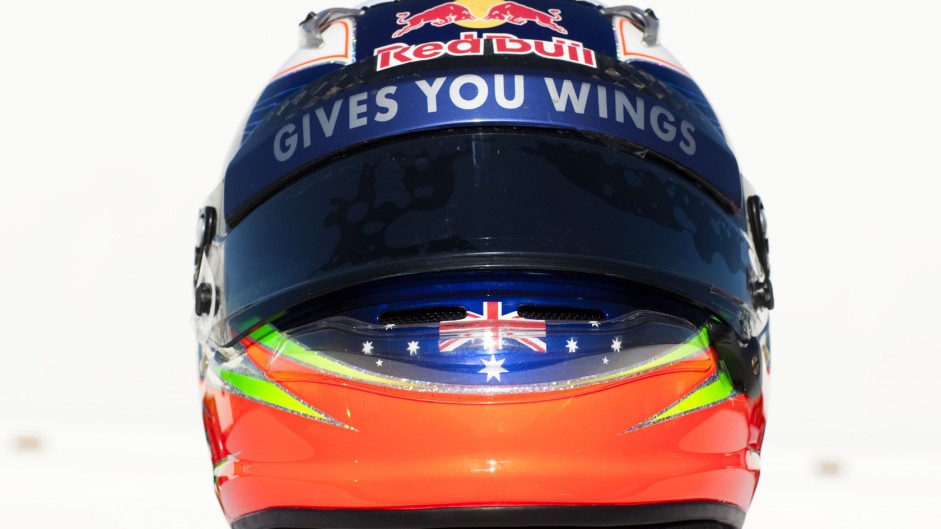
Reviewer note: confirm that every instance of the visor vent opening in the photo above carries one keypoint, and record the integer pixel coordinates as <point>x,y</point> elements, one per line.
<point>422,315</point>
<point>540,312</point>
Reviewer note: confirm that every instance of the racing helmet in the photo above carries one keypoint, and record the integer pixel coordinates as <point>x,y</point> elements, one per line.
<point>483,263</point>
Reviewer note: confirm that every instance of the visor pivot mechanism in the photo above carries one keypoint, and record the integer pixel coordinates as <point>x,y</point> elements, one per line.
<point>763,294</point>
<point>762,291</point>
<point>203,299</point>
<point>742,360</point>
<point>205,230</point>
<point>759,227</point>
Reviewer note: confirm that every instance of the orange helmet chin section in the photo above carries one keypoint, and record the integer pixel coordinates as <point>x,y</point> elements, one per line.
<point>397,450</point>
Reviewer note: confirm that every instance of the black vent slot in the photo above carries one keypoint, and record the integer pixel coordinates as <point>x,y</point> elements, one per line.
<point>542,312</point>
<point>422,315</point>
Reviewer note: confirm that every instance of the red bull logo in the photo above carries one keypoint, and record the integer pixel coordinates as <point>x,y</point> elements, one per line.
<point>479,14</point>
<point>518,14</point>
<point>437,16</point>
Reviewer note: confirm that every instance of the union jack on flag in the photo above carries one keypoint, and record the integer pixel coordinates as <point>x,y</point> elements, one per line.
<point>493,328</point>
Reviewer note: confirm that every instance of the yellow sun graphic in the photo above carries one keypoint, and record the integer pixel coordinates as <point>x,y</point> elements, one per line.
<point>479,8</point>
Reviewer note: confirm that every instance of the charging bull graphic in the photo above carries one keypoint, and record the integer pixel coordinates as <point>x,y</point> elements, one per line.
<point>437,16</point>
<point>519,14</point>
<point>464,15</point>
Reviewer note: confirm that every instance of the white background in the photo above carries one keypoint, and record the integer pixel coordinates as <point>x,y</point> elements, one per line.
<point>116,119</point>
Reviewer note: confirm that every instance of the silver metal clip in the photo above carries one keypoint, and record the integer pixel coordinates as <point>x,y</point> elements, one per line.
<point>643,19</point>
<point>315,23</point>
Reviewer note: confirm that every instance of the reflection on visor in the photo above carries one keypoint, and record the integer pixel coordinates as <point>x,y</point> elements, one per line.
<point>460,357</point>
<point>484,200</point>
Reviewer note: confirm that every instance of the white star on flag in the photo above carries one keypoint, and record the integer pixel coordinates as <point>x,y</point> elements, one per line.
<point>571,345</point>
<point>616,345</point>
<point>367,347</point>
<point>594,323</point>
<point>605,360</point>
<point>493,368</point>
<point>379,362</point>
<point>413,348</point>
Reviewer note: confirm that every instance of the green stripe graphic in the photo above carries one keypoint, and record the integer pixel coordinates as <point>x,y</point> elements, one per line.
<point>270,393</point>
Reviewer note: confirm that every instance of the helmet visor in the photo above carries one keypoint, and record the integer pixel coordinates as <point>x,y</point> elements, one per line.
<point>483,199</point>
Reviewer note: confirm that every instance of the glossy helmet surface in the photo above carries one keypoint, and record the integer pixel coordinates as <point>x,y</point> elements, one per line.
<point>483,263</point>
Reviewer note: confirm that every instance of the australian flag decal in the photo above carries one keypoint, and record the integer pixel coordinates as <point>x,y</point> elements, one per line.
<point>491,329</point>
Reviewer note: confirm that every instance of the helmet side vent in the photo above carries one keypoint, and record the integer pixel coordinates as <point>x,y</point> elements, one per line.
<point>422,315</point>
<point>544,312</point>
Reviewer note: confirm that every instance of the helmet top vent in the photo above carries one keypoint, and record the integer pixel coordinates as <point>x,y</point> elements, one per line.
<point>422,315</point>
<point>542,312</point>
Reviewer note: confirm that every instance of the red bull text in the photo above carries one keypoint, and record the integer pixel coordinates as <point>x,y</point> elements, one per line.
<point>470,44</point>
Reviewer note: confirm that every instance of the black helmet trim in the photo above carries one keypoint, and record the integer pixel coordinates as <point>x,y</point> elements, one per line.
<point>297,135</point>
<point>678,515</point>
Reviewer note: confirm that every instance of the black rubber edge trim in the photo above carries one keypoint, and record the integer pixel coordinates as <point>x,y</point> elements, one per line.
<point>690,515</point>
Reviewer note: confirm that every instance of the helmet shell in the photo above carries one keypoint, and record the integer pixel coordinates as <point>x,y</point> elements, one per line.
<point>486,389</point>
